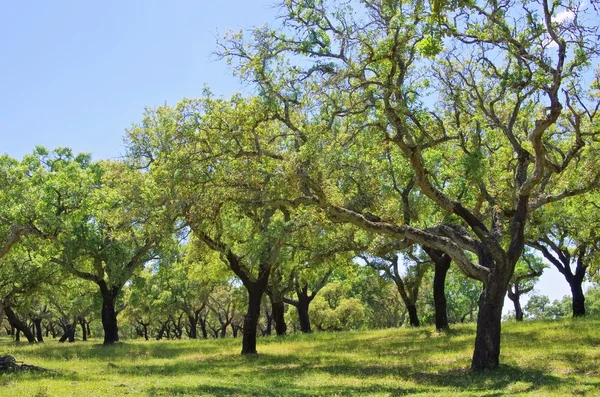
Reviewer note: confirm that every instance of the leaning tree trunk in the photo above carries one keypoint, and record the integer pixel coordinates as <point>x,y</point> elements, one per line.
<point>413,316</point>
<point>251,319</point>
<point>109,314</point>
<point>578,303</point>
<point>18,324</point>
<point>487,342</point>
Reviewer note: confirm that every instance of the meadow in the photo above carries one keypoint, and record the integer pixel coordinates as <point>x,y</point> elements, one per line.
<point>544,358</point>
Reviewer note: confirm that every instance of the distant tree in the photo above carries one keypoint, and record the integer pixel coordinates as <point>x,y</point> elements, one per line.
<point>527,271</point>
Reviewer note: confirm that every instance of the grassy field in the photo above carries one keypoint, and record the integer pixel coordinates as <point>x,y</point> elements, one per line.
<point>538,358</point>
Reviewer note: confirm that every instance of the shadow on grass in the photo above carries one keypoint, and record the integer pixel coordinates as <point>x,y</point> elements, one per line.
<point>280,375</point>
<point>119,350</point>
<point>494,383</point>
<point>295,391</point>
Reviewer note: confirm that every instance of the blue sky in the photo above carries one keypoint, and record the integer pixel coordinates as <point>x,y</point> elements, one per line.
<point>78,73</point>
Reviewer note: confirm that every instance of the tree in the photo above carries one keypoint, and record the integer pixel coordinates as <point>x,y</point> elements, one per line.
<point>566,237</point>
<point>527,271</point>
<point>125,224</point>
<point>408,285</point>
<point>501,142</point>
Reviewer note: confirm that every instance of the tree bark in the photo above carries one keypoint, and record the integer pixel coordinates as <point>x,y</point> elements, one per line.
<point>278,314</point>
<point>193,326</point>
<point>69,334</point>
<point>442,265</point>
<point>413,317</point>
<point>487,342</point>
<point>251,319</point>
<point>578,303</point>
<point>18,324</point>
<point>83,329</point>
<point>515,297</point>
<point>38,330</point>
<point>109,314</point>
<point>203,328</point>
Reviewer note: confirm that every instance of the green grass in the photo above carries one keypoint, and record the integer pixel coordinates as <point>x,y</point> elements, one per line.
<point>538,358</point>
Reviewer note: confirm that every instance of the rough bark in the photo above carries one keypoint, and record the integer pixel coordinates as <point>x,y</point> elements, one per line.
<point>487,341</point>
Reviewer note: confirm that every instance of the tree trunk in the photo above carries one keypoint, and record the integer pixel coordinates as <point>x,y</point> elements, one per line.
<point>109,314</point>
<point>251,319</point>
<point>413,317</point>
<point>193,327</point>
<point>83,329</point>
<point>203,328</point>
<point>278,314</point>
<point>269,317</point>
<point>442,264</point>
<point>38,330</point>
<point>69,333</point>
<point>303,317</point>
<point>578,302</point>
<point>487,342</point>
<point>18,324</point>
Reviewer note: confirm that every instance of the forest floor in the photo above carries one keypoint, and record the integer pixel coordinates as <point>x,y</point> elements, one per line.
<point>559,358</point>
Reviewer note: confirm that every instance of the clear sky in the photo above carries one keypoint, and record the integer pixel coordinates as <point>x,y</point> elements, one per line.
<point>78,73</point>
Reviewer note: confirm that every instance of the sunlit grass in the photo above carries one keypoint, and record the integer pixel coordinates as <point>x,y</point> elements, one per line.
<point>539,358</point>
